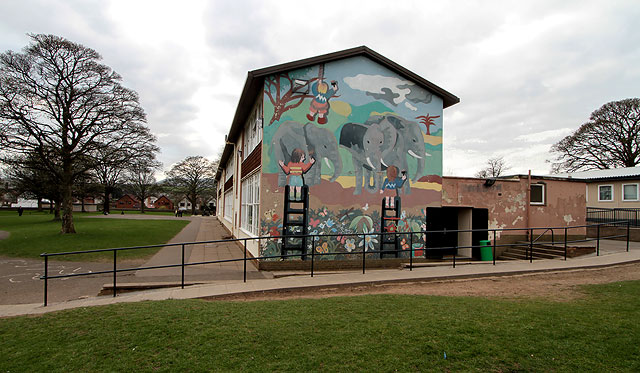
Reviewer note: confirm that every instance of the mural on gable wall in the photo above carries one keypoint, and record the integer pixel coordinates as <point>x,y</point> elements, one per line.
<point>355,133</point>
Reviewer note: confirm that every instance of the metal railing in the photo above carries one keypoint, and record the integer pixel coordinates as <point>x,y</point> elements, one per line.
<point>607,215</point>
<point>364,253</point>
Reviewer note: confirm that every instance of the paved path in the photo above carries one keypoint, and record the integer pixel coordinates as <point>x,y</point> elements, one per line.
<point>20,278</point>
<point>612,253</point>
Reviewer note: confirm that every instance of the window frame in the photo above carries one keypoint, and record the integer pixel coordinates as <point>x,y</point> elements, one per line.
<point>228,205</point>
<point>250,204</point>
<point>544,195</point>
<point>630,200</point>
<point>252,131</point>
<point>612,193</point>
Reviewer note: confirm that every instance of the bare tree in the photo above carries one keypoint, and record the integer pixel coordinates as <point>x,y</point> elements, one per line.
<point>57,97</point>
<point>141,180</point>
<point>193,177</point>
<point>496,166</point>
<point>610,139</point>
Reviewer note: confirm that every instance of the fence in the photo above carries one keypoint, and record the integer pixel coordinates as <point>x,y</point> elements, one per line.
<point>402,251</point>
<point>608,215</point>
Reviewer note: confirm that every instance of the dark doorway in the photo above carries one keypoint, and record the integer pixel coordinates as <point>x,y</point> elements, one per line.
<point>479,220</point>
<point>442,220</point>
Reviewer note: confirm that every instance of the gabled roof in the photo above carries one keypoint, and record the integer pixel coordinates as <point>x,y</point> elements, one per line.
<point>610,174</point>
<point>255,81</point>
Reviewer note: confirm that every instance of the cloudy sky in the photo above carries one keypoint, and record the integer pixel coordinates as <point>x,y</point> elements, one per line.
<point>527,72</point>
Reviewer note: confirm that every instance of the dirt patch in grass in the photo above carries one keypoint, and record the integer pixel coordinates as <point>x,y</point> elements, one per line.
<point>4,234</point>
<point>558,286</point>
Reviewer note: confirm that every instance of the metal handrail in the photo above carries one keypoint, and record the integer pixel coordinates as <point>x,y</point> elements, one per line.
<point>313,255</point>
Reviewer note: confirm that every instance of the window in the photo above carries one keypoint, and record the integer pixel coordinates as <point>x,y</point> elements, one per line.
<point>250,203</point>
<point>228,205</point>
<point>629,192</point>
<point>605,193</point>
<point>537,194</point>
<point>229,169</point>
<point>253,130</point>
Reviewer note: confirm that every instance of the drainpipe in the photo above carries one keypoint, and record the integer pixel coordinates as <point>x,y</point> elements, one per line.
<point>528,204</point>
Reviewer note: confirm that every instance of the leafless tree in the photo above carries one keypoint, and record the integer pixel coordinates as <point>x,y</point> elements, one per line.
<point>56,96</point>
<point>496,166</point>
<point>610,139</point>
<point>140,179</point>
<point>193,177</point>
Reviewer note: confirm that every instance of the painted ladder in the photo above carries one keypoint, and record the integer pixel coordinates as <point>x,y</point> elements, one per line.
<point>389,223</point>
<point>295,223</point>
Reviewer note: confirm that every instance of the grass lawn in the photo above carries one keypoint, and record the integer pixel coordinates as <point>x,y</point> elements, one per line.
<point>598,333</point>
<point>34,233</point>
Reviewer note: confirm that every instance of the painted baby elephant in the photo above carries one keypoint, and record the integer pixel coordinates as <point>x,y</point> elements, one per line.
<point>318,143</point>
<point>409,143</point>
<point>369,144</point>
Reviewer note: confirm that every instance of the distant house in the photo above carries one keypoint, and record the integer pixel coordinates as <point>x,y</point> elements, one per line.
<point>163,203</point>
<point>127,202</point>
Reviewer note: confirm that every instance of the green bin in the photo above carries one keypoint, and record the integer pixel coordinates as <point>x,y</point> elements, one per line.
<point>486,253</point>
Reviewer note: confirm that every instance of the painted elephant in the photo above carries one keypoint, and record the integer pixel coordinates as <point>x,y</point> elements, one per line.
<point>318,143</point>
<point>409,142</point>
<point>369,144</point>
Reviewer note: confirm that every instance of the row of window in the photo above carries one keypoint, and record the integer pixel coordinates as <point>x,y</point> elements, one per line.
<point>249,221</point>
<point>629,192</point>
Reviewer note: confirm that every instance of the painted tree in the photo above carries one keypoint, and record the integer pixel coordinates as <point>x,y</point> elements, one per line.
<point>427,120</point>
<point>281,90</point>
<point>193,178</point>
<point>610,139</point>
<point>57,97</point>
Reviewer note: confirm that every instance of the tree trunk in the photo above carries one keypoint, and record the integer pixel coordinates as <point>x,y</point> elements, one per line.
<point>39,204</point>
<point>67,204</point>
<point>106,202</point>
<point>55,207</point>
<point>142,205</point>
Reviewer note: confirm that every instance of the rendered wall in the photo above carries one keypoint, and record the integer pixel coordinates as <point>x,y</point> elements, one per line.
<point>507,202</point>
<point>375,121</point>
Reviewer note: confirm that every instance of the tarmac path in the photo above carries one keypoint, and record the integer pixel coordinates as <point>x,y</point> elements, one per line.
<point>20,281</point>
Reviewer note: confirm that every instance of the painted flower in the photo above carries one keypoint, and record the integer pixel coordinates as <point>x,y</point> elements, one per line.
<point>341,239</point>
<point>322,249</point>
<point>368,240</point>
<point>274,231</point>
<point>330,223</point>
<point>350,245</point>
<point>275,218</point>
<point>323,212</point>
<point>404,244</point>
<point>314,222</point>
<point>365,207</point>
<point>403,215</point>
<point>321,226</point>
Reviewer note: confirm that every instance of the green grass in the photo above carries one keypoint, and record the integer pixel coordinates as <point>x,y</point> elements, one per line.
<point>599,333</point>
<point>35,233</point>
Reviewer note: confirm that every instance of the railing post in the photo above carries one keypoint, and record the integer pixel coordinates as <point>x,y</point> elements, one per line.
<point>115,253</point>
<point>628,231</point>
<point>313,252</point>
<point>454,257</point>
<point>565,242</point>
<point>46,277</point>
<point>494,247</point>
<point>598,241</point>
<point>244,267</point>
<point>530,245</point>
<point>411,251</point>
<point>364,250</point>
<point>182,277</point>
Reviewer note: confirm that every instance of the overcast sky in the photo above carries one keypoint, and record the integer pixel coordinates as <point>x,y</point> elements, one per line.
<point>527,72</point>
